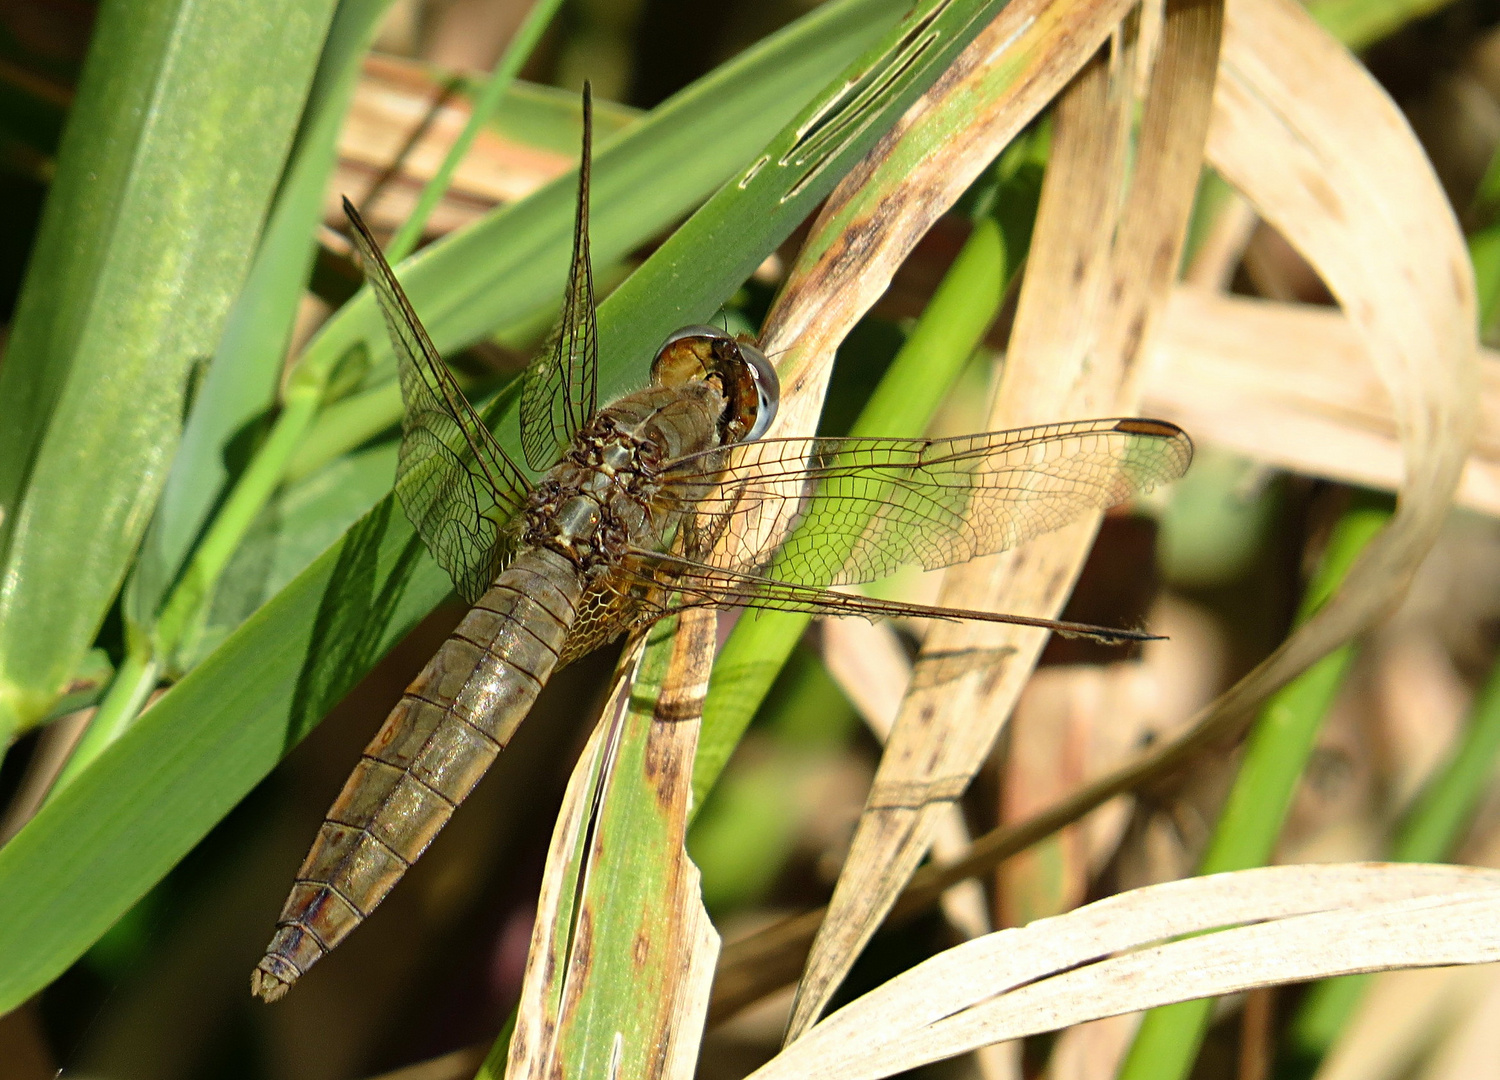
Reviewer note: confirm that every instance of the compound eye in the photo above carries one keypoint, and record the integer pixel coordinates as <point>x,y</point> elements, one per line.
<point>767,390</point>
<point>685,354</point>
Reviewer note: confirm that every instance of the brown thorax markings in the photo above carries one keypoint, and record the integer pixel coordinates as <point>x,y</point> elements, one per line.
<point>600,499</point>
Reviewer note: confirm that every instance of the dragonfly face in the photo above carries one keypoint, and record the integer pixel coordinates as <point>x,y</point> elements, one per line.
<point>747,378</point>
<point>666,499</point>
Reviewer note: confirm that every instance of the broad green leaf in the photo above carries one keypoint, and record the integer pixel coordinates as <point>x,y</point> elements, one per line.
<point>627,947</point>
<point>164,177</point>
<point>92,851</point>
<point>242,381</point>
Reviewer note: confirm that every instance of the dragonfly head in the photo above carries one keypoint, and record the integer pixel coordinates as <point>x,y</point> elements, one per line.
<point>747,378</point>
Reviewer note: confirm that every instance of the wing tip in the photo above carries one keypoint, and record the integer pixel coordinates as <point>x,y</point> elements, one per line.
<point>1166,431</point>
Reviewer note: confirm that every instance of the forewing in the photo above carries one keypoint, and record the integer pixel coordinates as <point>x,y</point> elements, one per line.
<point>561,389</point>
<point>457,485</point>
<point>822,512</point>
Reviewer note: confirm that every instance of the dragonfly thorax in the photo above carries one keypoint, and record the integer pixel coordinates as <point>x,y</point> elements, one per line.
<point>600,499</point>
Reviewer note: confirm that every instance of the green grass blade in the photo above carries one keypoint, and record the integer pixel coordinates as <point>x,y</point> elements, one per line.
<point>105,840</point>
<point>242,382</point>
<point>1359,23</point>
<point>164,177</point>
<point>1276,753</point>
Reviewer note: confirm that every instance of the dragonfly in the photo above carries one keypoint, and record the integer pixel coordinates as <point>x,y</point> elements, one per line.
<point>669,498</point>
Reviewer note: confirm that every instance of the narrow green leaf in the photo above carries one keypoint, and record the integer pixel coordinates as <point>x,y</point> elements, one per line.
<point>164,177</point>
<point>1359,23</point>
<point>500,80</point>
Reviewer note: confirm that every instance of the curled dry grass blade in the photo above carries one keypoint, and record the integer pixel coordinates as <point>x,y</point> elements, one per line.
<point>622,952</point>
<point>1074,352</point>
<point>1255,928</point>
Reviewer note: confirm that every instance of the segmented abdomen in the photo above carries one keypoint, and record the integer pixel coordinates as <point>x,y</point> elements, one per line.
<point>453,720</point>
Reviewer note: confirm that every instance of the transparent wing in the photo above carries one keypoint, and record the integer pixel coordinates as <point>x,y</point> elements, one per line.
<point>457,485</point>
<point>823,512</point>
<point>690,584</point>
<point>561,389</point>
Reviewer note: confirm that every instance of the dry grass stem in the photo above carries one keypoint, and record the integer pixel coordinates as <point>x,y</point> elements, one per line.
<point>867,661</point>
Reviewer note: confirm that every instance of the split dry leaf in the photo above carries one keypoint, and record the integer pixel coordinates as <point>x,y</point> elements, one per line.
<point>1291,385</point>
<point>1254,928</point>
<point>1102,259</point>
<point>622,954</point>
